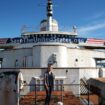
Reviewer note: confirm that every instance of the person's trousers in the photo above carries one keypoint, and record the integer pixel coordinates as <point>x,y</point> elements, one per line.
<point>48,96</point>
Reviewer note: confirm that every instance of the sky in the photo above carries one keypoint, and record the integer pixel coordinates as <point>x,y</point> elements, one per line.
<point>87,15</point>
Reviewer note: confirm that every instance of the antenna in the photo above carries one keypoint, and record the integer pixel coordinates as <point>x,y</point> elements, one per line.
<point>74,29</point>
<point>49,8</point>
<point>26,28</point>
<point>49,14</point>
<point>49,24</point>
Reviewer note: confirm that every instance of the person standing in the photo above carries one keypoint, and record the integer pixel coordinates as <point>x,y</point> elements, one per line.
<point>48,83</point>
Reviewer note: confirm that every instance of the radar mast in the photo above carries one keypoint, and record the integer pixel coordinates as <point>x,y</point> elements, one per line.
<point>49,14</point>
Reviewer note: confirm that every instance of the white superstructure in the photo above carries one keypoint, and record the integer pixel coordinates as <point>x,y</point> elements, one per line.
<point>63,49</point>
<point>71,55</point>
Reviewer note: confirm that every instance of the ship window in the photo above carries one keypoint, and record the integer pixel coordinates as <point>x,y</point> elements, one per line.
<point>24,61</point>
<point>76,60</point>
<point>16,63</point>
<point>1,61</point>
<point>100,62</point>
<point>40,84</point>
<point>58,84</point>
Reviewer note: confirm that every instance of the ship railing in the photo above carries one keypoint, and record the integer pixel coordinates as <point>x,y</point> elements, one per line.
<point>68,94</point>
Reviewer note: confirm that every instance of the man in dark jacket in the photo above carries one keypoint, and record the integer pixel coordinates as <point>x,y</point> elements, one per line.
<point>48,83</point>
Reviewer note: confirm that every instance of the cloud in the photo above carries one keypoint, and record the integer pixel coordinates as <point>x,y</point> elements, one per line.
<point>91,27</point>
<point>95,16</point>
<point>98,15</point>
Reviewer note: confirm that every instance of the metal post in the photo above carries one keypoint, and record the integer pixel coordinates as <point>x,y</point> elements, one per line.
<point>88,94</point>
<point>35,94</point>
<point>18,90</point>
<point>62,91</point>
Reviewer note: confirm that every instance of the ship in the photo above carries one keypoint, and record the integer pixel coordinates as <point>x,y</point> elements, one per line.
<point>24,59</point>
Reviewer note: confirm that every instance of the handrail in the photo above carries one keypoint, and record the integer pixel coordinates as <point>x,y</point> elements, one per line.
<point>62,91</point>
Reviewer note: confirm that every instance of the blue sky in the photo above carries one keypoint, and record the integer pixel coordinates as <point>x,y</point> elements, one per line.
<point>87,15</point>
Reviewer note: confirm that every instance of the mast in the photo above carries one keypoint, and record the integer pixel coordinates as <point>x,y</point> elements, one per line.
<point>49,15</point>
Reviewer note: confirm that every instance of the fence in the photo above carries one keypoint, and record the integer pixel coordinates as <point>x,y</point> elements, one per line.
<point>35,88</point>
<point>69,94</point>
